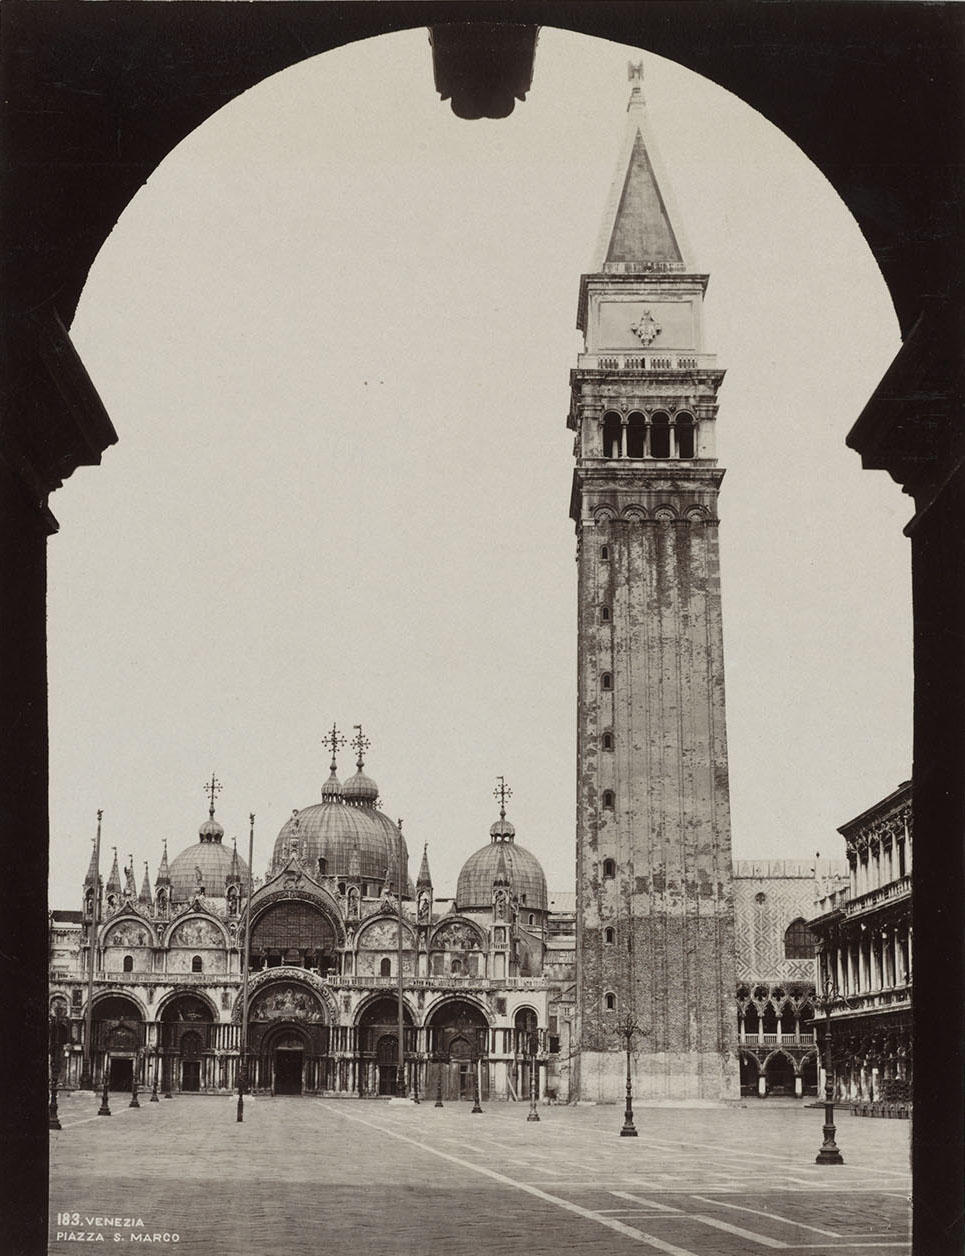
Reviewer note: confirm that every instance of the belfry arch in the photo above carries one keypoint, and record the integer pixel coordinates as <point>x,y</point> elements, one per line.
<point>889,161</point>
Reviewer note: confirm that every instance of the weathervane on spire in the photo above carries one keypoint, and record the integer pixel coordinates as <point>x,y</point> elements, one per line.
<point>361,743</point>
<point>212,788</point>
<point>635,72</point>
<point>334,741</point>
<point>502,792</point>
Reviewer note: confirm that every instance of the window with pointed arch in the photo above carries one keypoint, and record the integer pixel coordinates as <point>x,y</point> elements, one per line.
<point>609,935</point>
<point>606,681</point>
<point>609,869</point>
<point>385,968</point>
<point>610,1001</point>
<point>607,741</point>
<point>799,941</point>
<point>605,614</point>
<point>609,800</point>
<point>604,553</point>
<point>197,964</point>
<point>128,963</point>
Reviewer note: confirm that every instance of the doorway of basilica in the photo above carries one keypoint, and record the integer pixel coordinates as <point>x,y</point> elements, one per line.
<point>121,1073</point>
<point>387,1058</point>
<point>289,1067</point>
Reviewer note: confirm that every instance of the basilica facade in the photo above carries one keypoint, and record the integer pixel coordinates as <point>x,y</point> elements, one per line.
<point>151,982</point>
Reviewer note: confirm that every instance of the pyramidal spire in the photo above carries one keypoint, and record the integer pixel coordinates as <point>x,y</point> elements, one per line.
<point>641,228</point>
<point>114,880</point>
<point>424,877</point>
<point>145,895</point>
<point>163,874</point>
<point>130,888</point>
<point>92,877</point>
<point>502,876</point>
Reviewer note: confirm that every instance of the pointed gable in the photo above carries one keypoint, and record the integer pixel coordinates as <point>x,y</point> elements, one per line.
<point>642,231</point>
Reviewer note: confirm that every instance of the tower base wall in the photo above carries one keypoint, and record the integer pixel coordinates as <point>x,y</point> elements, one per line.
<point>668,1075</point>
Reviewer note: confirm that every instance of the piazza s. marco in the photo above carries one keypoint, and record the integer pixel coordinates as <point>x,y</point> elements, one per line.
<point>670,972</point>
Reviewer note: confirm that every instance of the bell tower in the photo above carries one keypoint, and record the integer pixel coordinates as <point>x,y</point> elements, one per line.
<point>655,920</point>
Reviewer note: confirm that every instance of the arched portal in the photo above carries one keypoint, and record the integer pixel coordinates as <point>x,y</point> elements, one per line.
<point>779,1074</point>
<point>458,1033</point>
<point>118,1033</point>
<point>289,1039</point>
<point>185,1029</point>
<point>750,1070</point>
<point>378,1045</point>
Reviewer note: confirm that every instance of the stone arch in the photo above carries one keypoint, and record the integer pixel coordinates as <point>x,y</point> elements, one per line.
<point>379,1002</point>
<point>105,998</point>
<point>269,976</point>
<point>369,926</point>
<point>604,514</point>
<point>634,514</point>
<point>173,997</point>
<point>194,923</point>
<point>127,927</point>
<point>781,1071</point>
<point>295,929</point>
<point>750,1072</point>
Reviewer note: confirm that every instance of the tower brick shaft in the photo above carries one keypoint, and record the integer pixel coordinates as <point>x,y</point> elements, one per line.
<point>655,920</point>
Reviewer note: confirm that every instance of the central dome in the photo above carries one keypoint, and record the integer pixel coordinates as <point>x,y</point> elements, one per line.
<point>354,841</point>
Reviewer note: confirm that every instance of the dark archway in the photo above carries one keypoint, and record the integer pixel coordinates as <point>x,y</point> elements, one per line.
<point>458,1034</point>
<point>779,1074</point>
<point>378,1044</point>
<point>750,1071</point>
<point>128,82</point>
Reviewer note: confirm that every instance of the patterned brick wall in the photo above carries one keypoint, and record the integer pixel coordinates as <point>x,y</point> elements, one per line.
<point>768,896</point>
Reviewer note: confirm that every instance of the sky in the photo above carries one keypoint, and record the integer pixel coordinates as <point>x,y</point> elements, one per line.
<point>334,332</point>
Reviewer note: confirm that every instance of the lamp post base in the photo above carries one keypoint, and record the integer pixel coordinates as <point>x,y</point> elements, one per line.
<point>628,1131</point>
<point>829,1153</point>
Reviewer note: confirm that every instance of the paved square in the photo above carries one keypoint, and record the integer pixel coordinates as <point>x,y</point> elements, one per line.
<point>340,1176</point>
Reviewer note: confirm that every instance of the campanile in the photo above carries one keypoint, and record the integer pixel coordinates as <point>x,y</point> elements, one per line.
<point>655,917</point>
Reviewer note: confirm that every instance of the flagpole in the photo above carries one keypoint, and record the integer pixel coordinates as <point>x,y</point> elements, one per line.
<point>246,933</point>
<point>88,1072</point>
<point>400,1084</point>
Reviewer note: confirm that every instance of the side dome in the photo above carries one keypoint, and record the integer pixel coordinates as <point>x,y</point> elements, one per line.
<point>360,789</point>
<point>474,887</point>
<point>207,864</point>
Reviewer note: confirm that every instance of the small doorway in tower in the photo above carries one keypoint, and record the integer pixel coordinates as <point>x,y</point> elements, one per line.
<point>191,1075</point>
<point>387,1059</point>
<point>288,1071</point>
<point>122,1073</point>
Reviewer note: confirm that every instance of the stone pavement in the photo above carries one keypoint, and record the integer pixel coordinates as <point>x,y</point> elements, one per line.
<point>340,1176</point>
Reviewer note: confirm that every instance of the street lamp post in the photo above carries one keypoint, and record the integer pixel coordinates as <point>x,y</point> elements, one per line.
<point>478,1039</point>
<point>105,1108</point>
<point>157,1062</point>
<point>533,1076</point>
<point>134,1103</point>
<point>438,1103</point>
<point>53,1119</point>
<point>826,1001</point>
<point>628,1029</point>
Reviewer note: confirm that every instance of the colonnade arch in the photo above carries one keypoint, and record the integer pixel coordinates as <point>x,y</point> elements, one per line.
<point>901,217</point>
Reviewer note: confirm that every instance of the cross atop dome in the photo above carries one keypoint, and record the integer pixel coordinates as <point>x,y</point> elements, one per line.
<point>334,741</point>
<point>360,743</point>
<point>212,788</point>
<point>501,793</point>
